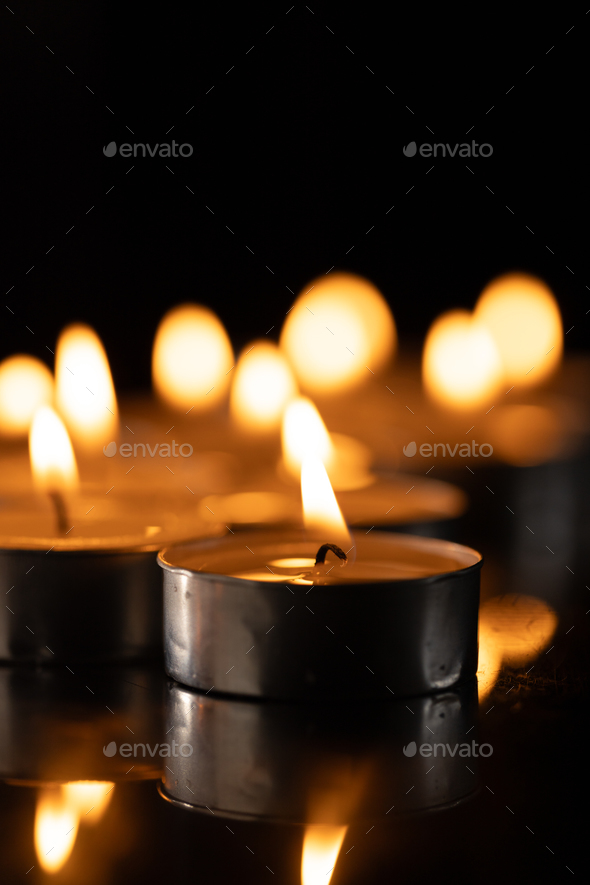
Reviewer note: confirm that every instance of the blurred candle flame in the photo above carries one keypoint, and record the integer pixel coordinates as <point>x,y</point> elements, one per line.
<point>262,386</point>
<point>513,630</point>
<point>53,463</point>
<point>321,514</point>
<point>56,828</point>
<point>84,389</point>
<point>523,317</point>
<point>321,847</point>
<point>461,366</point>
<point>339,331</point>
<point>89,798</point>
<point>191,359</point>
<point>59,812</point>
<point>25,384</point>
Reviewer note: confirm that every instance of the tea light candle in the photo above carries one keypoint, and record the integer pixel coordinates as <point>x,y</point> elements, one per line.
<point>281,615</point>
<point>79,575</point>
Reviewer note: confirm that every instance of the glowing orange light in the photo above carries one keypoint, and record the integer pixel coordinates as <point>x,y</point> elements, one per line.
<point>513,630</point>
<point>262,386</point>
<point>321,514</point>
<point>89,798</point>
<point>522,314</point>
<point>52,457</point>
<point>25,384</point>
<point>191,359</point>
<point>461,366</point>
<point>303,433</point>
<point>321,846</point>
<point>339,331</point>
<point>84,390</point>
<point>56,828</point>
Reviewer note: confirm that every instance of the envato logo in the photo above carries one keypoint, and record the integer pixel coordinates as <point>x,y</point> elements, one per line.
<point>134,750</point>
<point>161,150</point>
<point>464,749</point>
<point>166,450</point>
<point>435,150</point>
<point>465,450</point>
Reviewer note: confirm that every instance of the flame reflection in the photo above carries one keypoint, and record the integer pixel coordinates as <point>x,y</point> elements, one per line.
<point>321,847</point>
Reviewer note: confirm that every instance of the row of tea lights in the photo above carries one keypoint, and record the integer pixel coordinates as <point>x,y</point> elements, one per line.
<point>339,329</point>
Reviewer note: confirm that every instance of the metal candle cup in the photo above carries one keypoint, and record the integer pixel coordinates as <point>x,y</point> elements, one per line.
<point>401,620</point>
<point>91,594</point>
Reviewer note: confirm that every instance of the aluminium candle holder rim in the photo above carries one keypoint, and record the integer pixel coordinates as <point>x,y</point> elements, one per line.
<point>373,639</point>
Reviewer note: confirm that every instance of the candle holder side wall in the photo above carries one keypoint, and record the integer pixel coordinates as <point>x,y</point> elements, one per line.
<point>64,606</point>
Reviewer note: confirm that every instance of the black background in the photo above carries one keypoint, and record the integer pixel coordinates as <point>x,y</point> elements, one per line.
<point>297,151</point>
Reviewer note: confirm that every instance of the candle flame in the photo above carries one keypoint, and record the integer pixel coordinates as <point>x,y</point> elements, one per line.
<point>524,319</point>
<point>340,328</point>
<point>56,828</point>
<point>59,812</point>
<point>461,366</point>
<point>84,389</point>
<point>321,514</point>
<point>25,384</point>
<point>321,847</point>
<point>191,359</point>
<point>304,433</point>
<point>90,798</point>
<point>52,457</point>
<point>262,386</point>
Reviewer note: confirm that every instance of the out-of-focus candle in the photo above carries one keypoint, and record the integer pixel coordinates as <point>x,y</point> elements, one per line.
<point>25,384</point>
<point>263,384</point>
<point>191,359</point>
<point>461,366</point>
<point>84,389</point>
<point>339,331</point>
<point>524,319</point>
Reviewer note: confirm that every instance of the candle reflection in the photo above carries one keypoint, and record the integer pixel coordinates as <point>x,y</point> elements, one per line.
<point>321,847</point>
<point>513,631</point>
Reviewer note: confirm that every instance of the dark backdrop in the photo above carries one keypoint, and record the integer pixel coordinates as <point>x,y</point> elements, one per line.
<point>297,154</point>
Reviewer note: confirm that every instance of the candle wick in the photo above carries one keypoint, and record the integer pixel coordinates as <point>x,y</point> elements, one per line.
<point>61,513</point>
<point>321,554</point>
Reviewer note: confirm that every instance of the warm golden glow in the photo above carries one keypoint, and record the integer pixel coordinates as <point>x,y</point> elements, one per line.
<point>461,366</point>
<point>321,846</point>
<point>339,331</point>
<point>523,316</point>
<point>263,384</point>
<point>191,359</point>
<point>346,460</point>
<point>321,514</point>
<point>84,390</point>
<point>513,630</point>
<point>527,435</point>
<point>52,457</point>
<point>89,798</point>
<point>304,433</point>
<point>56,827</point>
<point>25,384</point>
